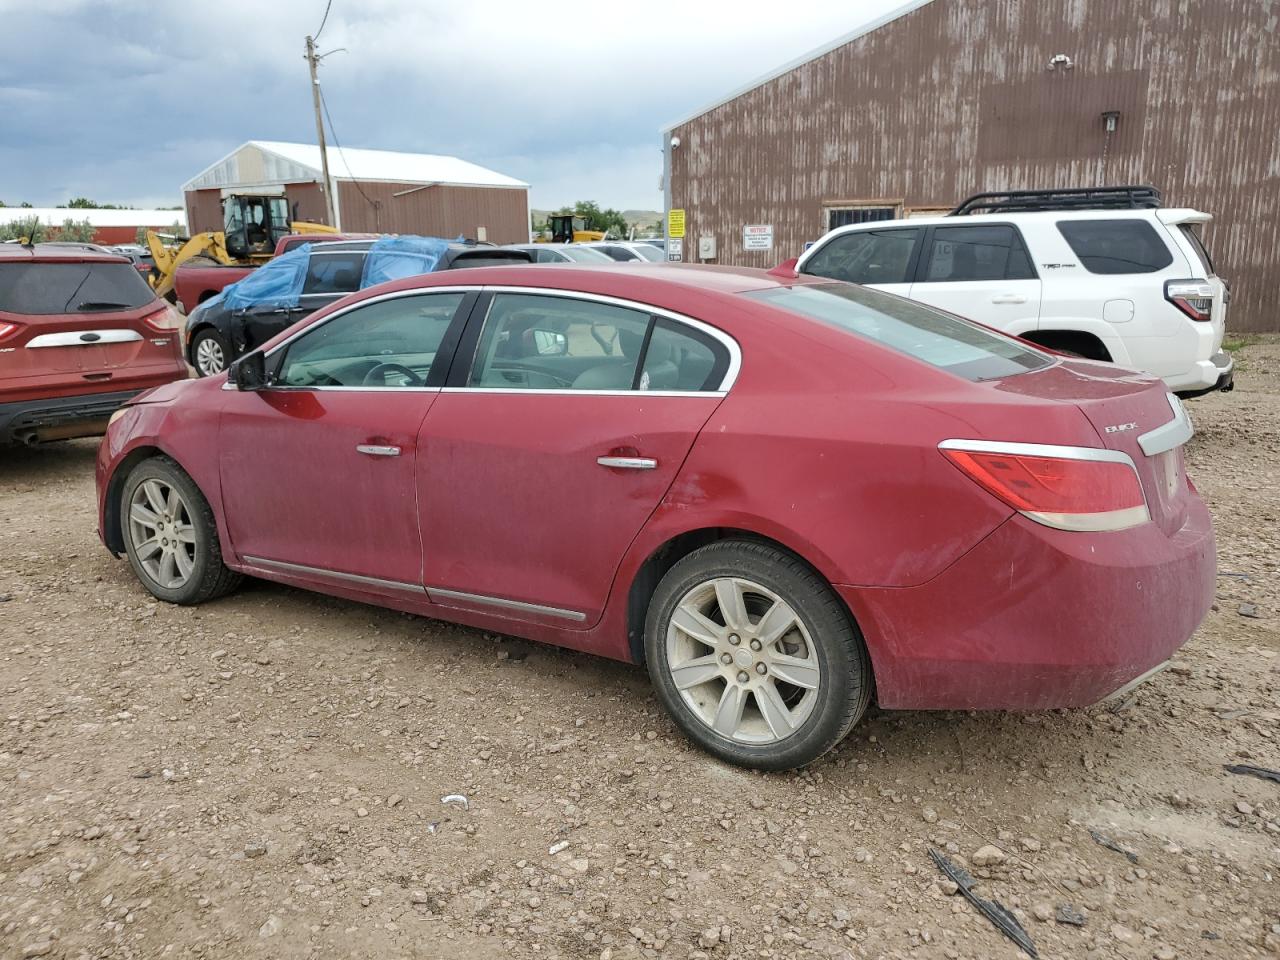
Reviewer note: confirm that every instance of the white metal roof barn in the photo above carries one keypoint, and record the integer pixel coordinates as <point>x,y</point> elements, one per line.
<point>376,191</point>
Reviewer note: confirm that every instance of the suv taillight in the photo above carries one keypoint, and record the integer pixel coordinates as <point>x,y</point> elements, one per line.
<point>164,320</point>
<point>8,329</point>
<point>1192,297</point>
<point>1070,488</point>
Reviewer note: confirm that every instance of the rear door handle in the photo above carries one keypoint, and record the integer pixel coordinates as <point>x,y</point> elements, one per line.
<point>628,463</point>
<point>377,450</point>
<point>1008,298</point>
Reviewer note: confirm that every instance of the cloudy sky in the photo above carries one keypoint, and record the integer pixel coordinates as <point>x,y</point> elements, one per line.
<point>122,101</point>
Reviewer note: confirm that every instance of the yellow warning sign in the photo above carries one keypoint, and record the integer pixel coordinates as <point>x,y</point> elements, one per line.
<point>675,224</point>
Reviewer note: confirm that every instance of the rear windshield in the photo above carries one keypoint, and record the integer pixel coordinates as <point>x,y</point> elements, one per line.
<point>1116,246</point>
<point>47,288</point>
<point>948,343</point>
<point>483,258</point>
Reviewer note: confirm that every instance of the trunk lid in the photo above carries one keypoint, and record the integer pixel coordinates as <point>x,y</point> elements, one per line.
<point>1123,407</point>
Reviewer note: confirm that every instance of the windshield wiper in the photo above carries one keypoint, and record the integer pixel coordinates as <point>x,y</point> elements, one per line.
<point>103,305</point>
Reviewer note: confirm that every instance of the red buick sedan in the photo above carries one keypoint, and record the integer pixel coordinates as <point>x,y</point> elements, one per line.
<point>783,495</point>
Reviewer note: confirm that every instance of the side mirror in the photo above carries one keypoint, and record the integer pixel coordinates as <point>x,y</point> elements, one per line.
<point>549,343</point>
<point>249,372</point>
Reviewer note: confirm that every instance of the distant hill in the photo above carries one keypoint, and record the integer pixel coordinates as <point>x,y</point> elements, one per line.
<point>636,218</point>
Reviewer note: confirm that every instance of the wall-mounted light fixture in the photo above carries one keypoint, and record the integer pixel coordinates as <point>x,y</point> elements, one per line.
<point>1111,120</point>
<point>675,142</point>
<point>1060,61</point>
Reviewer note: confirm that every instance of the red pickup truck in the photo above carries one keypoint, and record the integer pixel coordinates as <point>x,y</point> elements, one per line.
<point>197,282</point>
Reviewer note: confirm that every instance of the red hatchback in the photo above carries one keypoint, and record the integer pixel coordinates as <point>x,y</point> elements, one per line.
<point>81,332</point>
<point>783,495</point>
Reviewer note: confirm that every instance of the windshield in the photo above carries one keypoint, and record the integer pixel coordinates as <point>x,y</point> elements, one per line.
<point>585,255</point>
<point>48,288</point>
<point>647,252</point>
<point>940,340</point>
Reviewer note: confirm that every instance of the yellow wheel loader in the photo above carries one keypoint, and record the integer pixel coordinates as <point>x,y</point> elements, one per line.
<point>566,228</point>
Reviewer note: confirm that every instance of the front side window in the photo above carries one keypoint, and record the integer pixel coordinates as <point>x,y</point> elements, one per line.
<point>946,342</point>
<point>1116,246</point>
<point>543,342</point>
<point>866,256</point>
<point>391,343</point>
<point>992,252</point>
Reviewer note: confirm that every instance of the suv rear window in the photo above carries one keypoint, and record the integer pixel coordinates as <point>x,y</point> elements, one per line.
<point>1116,246</point>
<point>36,288</point>
<point>1193,237</point>
<point>943,341</point>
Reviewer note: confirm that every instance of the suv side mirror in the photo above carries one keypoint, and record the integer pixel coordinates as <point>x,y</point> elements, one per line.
<point>250,372</point>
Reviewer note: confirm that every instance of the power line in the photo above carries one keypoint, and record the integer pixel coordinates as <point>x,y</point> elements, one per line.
<point>334,133</point>
<point>323,20</point>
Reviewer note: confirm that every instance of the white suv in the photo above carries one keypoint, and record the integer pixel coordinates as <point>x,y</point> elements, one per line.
<point>1103,273</point>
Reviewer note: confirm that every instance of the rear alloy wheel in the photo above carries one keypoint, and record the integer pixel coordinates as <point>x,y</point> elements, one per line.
<point>170,536</point>
<point>755,657</point>
<point>209,352</point>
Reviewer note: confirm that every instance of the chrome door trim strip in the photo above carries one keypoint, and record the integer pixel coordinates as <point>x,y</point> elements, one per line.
<point>1169,435</point>
<point>433,592</point>
<point>281,566</point>
<point>75,338</point>
<point>567,392</point>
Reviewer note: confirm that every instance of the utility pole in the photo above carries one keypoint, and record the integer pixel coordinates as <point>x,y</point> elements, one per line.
<point>313,61</point>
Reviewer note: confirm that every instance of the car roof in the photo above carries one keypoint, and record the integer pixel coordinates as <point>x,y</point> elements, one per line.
<point>621,280</point>
<point>1052,216</point>
<point>47,252</point>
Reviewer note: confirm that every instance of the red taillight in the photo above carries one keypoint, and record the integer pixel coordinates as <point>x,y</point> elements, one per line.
<point>1192,297</point>
<point>164,320</point>
<point>1071,488</point>
<point>8,329</point>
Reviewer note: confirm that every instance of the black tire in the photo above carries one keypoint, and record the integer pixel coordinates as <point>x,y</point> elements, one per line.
<point>215,342</point>
<point>843,692</point>
<point>209,576</point>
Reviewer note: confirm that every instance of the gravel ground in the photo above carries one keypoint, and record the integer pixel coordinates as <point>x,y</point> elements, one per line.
<point>262,777</point>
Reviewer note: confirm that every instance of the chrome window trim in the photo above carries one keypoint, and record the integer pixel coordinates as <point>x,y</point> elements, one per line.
<point>282,566</point>
<point>568,392</point>
<point>72,338</point>
<point>728,342</point>
<point>1169,435</point>
<point>433,592</point>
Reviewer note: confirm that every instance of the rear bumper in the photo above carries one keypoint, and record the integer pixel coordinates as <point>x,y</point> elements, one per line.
<point>59,418</point>
<point>1205,376</point>
<point>1036,619</point>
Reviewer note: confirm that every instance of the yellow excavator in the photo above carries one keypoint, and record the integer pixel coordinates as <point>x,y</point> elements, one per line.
<point>252,225</point>
<point>567,228</point>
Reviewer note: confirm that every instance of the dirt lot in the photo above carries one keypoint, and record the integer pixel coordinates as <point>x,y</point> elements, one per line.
<point>263,776</point>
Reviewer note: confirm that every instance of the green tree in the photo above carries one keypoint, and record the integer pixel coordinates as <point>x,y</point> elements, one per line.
<point>84,203</point>
<point>30,229</point>
<point>81,231</point>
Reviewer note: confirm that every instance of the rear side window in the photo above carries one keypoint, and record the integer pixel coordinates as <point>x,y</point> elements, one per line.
<point>1116,246</point>
<point>992,252</point>
<point>333,272</point>
<point>948,343</point>
<point>1202,252</point>
<point>681,358</point>
<point>867,256</point>
<point>49,288</point>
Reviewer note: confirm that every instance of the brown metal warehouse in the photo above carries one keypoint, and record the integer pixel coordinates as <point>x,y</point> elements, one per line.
<point>377,191</point>
<point>945,98</point>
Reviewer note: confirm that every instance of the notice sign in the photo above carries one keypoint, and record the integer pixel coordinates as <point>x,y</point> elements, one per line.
<point>757,236</point>
<point>675,224</point>
<point>675,249</point>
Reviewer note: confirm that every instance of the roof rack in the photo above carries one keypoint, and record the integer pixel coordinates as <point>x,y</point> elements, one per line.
<point>1080,198</point>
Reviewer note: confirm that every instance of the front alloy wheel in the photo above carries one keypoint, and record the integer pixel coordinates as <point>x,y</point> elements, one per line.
<point>754,656</point>
<point>162,534</point>
<point>209,353</point>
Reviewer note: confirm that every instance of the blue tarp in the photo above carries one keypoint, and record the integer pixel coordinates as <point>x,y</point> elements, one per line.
<point>394,258</point>
<point>277,283</point>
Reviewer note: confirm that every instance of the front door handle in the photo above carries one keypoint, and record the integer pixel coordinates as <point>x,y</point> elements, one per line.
<point>377,450</point>
<point>1008,298</point>
<point>628,463</point>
